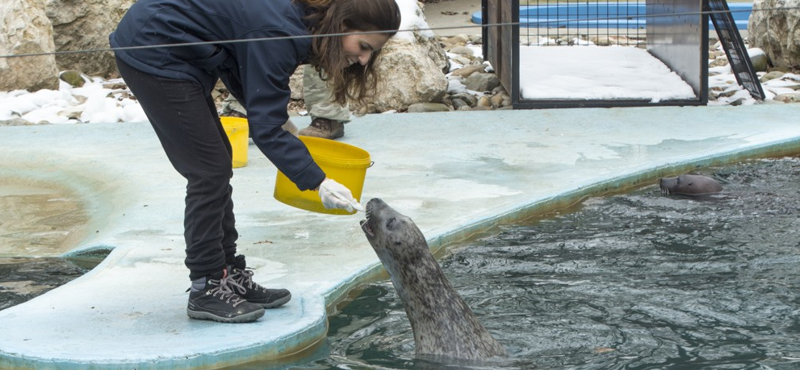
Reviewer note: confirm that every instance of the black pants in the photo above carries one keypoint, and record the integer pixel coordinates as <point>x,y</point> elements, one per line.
<point>188,126</point>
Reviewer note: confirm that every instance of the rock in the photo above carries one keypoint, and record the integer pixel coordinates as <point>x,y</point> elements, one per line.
<point>499,90</point>
<point>412,69</point>
<point>482,81</point>
<point>427,107</point>
<point>463,51</point>
<point>737,102</point>
<point>484,102</point>
<point>451,42</point>
<point>72,113</point>
<point>25,29</point>
<point>458,103</point>
<point>462,60</point>
<point>774,26</point>
<point>232,107</point>
<point>497,100</point>
<point>73,78</point>
<point>468,70</point>
<point>716,54</point>
<point>720,61</point>
<point>408,75</point>
<point>468,98</point>
<point>788,98</point>
<point>771,76</point>
<point>85,25</point>
<point>16,121</point>
<point>118,86</point>
<point>296,83</point>
<point>759,59</point>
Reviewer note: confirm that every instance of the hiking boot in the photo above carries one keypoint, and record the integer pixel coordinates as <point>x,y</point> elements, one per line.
<point>251,291</point>
<point>219,302</point>
<point>324,128</point>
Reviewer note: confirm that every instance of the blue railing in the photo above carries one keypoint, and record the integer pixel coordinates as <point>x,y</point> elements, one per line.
<point>602,15</point>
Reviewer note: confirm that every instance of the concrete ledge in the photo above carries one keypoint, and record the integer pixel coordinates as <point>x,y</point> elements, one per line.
<point>454,173</point>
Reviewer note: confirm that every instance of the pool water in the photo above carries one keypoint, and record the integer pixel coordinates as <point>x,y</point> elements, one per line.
<point>22,279</point>
<point>633,281</point>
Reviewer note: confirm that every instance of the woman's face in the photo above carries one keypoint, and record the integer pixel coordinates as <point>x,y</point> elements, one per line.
<point>358,48</point>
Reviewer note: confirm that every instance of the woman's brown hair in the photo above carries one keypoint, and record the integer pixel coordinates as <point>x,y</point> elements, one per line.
<point>348,81</point>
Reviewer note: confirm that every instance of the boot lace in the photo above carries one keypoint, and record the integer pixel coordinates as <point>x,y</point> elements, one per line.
<point>244,280</point>
<point>226,291</point>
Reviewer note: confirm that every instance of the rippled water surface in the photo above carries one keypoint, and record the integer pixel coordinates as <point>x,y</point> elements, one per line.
<point>635,281</point>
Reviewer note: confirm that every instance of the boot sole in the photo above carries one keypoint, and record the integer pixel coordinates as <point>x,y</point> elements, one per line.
<point>276,303</point>
<point>248,317</point>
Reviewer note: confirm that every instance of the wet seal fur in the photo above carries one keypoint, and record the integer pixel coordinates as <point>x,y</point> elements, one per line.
<point>443,324</point>
<point>688,184</point>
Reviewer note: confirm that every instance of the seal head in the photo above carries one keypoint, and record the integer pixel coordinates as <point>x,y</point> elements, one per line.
<point>688,184</point>
<point>443,324</point>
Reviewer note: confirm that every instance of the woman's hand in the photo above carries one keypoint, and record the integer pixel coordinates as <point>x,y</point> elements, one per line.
<point>336,195</point>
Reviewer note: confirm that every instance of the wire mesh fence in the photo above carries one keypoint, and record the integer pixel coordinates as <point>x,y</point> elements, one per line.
<point>569,23</point>
<point>673,33</point>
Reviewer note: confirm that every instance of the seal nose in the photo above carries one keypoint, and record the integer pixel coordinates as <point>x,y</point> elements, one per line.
<point>663,186</point>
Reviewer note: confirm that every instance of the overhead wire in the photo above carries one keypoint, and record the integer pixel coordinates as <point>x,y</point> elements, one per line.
<point>264,39</point>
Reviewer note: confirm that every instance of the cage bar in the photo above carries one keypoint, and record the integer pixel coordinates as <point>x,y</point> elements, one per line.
<point>673,33</point>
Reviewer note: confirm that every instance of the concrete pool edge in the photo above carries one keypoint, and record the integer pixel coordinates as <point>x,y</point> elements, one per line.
<point>765,135</point>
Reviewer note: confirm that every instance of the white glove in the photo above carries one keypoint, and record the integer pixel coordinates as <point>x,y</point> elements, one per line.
<point>336,195</point>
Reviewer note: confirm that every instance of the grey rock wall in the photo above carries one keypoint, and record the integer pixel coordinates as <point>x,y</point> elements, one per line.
<point>85,25</point>
<point>774,27</point>
<point>24,29</point>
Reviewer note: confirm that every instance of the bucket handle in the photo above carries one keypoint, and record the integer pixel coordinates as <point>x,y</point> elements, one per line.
<point>371,163</point>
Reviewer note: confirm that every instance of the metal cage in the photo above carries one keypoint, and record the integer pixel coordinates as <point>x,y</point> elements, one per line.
<point>672,31</point>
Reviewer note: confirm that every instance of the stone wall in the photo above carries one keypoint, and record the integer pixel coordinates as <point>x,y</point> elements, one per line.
<point>774,27</point>
<point>24,29</point>
<point>414,68</point>
<point>85,25</point>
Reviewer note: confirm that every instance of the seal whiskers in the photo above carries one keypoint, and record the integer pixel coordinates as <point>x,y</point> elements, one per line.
<point>442,323</point>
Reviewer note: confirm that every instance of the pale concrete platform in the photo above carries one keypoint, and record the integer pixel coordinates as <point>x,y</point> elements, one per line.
<point>454,173</point>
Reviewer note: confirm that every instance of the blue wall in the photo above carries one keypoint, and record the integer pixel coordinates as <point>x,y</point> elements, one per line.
<point>602,15</point>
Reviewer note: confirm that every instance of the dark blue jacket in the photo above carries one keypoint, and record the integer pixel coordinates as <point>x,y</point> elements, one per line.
<point>255,72</point>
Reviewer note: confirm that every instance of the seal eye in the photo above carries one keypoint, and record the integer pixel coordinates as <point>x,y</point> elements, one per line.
<point>390,222</point>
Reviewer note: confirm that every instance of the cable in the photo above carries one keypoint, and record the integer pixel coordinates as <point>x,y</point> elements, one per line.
<point>66,52</point>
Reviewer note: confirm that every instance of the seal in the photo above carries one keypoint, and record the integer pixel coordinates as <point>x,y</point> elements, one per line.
<point>688,184</point>
<point>443,324</point>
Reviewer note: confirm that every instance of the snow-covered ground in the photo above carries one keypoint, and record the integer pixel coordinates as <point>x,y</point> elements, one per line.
<point>108,101</point>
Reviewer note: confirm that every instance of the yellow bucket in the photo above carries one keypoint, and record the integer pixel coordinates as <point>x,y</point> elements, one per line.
<point>238,134</point>
<point>342,162</point>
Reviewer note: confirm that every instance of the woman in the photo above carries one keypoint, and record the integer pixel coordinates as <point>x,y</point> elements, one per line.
<point>173,84</point>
